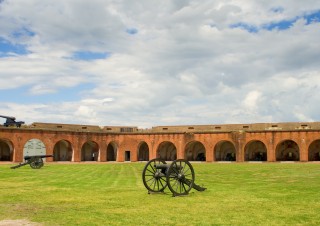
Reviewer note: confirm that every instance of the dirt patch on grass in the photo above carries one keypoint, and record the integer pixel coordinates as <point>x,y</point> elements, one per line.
<point>18,222</point>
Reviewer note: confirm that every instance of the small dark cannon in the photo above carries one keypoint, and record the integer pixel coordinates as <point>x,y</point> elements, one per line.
<point>178,176</point>
<point>35,162</point>
<point>11,121</point>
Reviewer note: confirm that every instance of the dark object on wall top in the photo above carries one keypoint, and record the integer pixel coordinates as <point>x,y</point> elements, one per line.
<point>11,121</point>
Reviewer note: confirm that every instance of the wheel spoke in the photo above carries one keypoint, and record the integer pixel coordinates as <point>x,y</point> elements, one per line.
<point>174,183</point>
<point>161,182</point>
<point>182,167</point>
<point>187,169</point>
<point>153,181</point>
<point>184,187</point>
<point>154,184</point>
<point>161,178</point>
<point>177,185</point>
<point>157,184</point>
<point>152,178</point>
<point>175,170</point>
<point>152,168</point>
<point>151,171</point>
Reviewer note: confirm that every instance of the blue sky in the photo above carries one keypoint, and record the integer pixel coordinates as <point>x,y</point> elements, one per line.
<point>7,48</point>
<point>183,62</point>
<point>309,17</point>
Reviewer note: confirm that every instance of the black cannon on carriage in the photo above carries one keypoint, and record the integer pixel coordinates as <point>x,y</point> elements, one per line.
<point>35,161</point>
<point>11,121</point>
<point>178,176</point>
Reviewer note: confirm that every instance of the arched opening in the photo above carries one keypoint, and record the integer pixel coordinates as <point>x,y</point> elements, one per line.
<point>34,147</point>
<point>287,150</point>
<point>195,151</point>
<point>314,151</point>
<point>143,152</point>
<point>225,151</point>
<point>167,151</point>
<point>62,151</point>
<point>90,151</point>
<point>112,152</point>
<point>6,151</point>
<point>255,151</point>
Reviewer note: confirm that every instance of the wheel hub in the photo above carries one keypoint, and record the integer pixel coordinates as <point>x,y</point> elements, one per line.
<point>180,176</point>
<point>156,175</point>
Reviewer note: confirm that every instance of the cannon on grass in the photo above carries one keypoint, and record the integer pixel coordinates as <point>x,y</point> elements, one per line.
<point>35,161</point>
<point>178,177</point>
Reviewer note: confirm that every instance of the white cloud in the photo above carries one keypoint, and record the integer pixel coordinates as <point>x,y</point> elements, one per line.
<point>252,100</point>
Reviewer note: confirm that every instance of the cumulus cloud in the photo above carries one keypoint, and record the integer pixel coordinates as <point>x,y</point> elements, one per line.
<point>251,100</point>
<point>181,62</point>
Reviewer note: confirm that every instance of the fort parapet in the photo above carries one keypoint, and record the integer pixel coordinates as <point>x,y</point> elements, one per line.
<point>263,142</point>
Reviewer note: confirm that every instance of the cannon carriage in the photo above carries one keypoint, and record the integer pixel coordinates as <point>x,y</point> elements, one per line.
<point>35,162</point>
<point>178,176</point>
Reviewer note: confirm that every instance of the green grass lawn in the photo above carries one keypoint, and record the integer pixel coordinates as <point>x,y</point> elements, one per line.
<point>113,194</point>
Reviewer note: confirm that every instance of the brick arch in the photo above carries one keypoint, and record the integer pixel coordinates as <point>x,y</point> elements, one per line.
<point>62,151</point>
<point>314,151</point>
<point>6,150</point>
<point>225,150</point>
<point>143,151</point>
<point>287,150</point>
<point>195,151</point>
<point>167,151</point>
<point>255,150</point>
<point>90,151</point>
<point>112,151</point>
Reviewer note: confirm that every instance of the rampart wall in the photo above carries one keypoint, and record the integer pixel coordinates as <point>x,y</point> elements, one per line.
<point>265,142</point>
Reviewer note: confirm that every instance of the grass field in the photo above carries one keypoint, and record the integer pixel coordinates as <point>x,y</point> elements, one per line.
<point>113,194</point>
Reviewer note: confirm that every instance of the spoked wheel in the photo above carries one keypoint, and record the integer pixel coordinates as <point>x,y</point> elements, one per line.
<point>180,177</point>
<point>36,163</point>
<point>154,179</point>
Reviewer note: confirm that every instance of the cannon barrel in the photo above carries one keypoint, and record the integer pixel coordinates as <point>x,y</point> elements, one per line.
<point>36,156</point>
<point>8,117</point>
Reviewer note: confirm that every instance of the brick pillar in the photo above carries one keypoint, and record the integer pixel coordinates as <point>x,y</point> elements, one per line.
<point>209,152</point>
<point>18,154</point>
<point>133,153</point>
<point>152,150</point>
<point>303,150</point>
<point>180,150</point>
<point>239,138</point>
<point>271,149</point>
<point>120,154</point>
<point>102,151</point>
<point>49,151</point>
<point>77,151</point>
